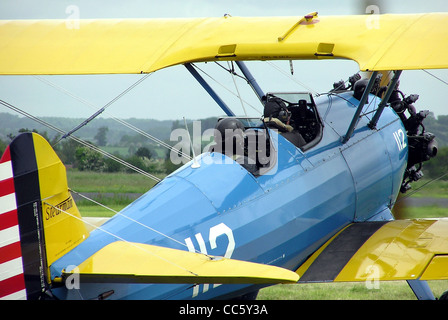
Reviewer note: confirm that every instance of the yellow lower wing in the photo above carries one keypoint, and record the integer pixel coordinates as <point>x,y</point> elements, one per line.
<point>396,250</point>
<point>128,262</point>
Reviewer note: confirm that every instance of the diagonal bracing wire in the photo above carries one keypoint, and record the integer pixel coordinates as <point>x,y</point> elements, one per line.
<point>225,88</point>
<point>123,122</point>
<point>124,240</point>
<point>273,65</point>
<point>82,142</point>
<point>135,221</point>
<point>236,87</point>
<point>101,110</point>
<point>433,75</point>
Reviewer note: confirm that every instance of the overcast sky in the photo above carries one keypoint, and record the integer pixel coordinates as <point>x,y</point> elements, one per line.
<point>173,93</point>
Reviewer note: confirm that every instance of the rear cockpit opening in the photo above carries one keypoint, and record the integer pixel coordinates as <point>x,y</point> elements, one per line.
<point>245,141</point>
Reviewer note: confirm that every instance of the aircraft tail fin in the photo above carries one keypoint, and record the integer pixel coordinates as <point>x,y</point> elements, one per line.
<point>39,220</point>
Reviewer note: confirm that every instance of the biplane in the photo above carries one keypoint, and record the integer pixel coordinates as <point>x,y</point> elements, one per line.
<point>303,194</point>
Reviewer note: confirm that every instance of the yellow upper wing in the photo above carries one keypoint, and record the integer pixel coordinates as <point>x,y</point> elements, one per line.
<point>396,250</point>
<point>380,42</point>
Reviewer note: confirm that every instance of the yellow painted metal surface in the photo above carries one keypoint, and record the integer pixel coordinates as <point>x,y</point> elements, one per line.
<point>379,42</point>
<point>437,269</point>
<point>140,263</point>
<point>63,227</point>
<point>400,250</point>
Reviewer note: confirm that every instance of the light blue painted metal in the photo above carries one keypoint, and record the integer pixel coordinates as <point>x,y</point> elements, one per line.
<point>278,218</point>
<point>383,215</point>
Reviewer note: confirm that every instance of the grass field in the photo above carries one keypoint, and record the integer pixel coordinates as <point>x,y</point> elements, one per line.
<point>435,189</point>
<point>86,181</point>
<point>100,182</point>
<point>426,212</point>
<point>389,290</point>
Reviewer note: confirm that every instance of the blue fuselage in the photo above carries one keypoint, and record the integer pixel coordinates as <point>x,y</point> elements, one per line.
<point>278,218</point>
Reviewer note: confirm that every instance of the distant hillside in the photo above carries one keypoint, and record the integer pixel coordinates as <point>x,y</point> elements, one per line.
<point>10,124</point>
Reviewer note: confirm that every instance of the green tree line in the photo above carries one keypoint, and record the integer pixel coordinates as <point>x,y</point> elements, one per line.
<point>148,156</point>
<point>83,158</point>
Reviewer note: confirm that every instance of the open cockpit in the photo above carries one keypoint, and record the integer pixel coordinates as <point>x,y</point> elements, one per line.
<point>247,141</point>
<point>295,116</point>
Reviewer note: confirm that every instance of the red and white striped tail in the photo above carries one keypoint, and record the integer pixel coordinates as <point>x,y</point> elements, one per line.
<point>24,254</point>
<point>12,281</point>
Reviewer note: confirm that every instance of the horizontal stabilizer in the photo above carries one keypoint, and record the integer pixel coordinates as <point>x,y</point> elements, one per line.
<point>127,262</point>
<point>395,250</point>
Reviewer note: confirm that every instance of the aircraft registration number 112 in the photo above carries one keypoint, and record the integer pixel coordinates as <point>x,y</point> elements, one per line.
<point>216,231</point>
<point>400,139</point>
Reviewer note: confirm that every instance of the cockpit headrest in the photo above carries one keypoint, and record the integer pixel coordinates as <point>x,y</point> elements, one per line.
<point>231,125</point>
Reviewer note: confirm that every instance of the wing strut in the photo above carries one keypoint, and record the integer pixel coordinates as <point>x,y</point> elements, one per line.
<point>383,103</point>
<point>362,102</point>
<point>421,289</point>
<point>250,79</point>
<point>209,89</point>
